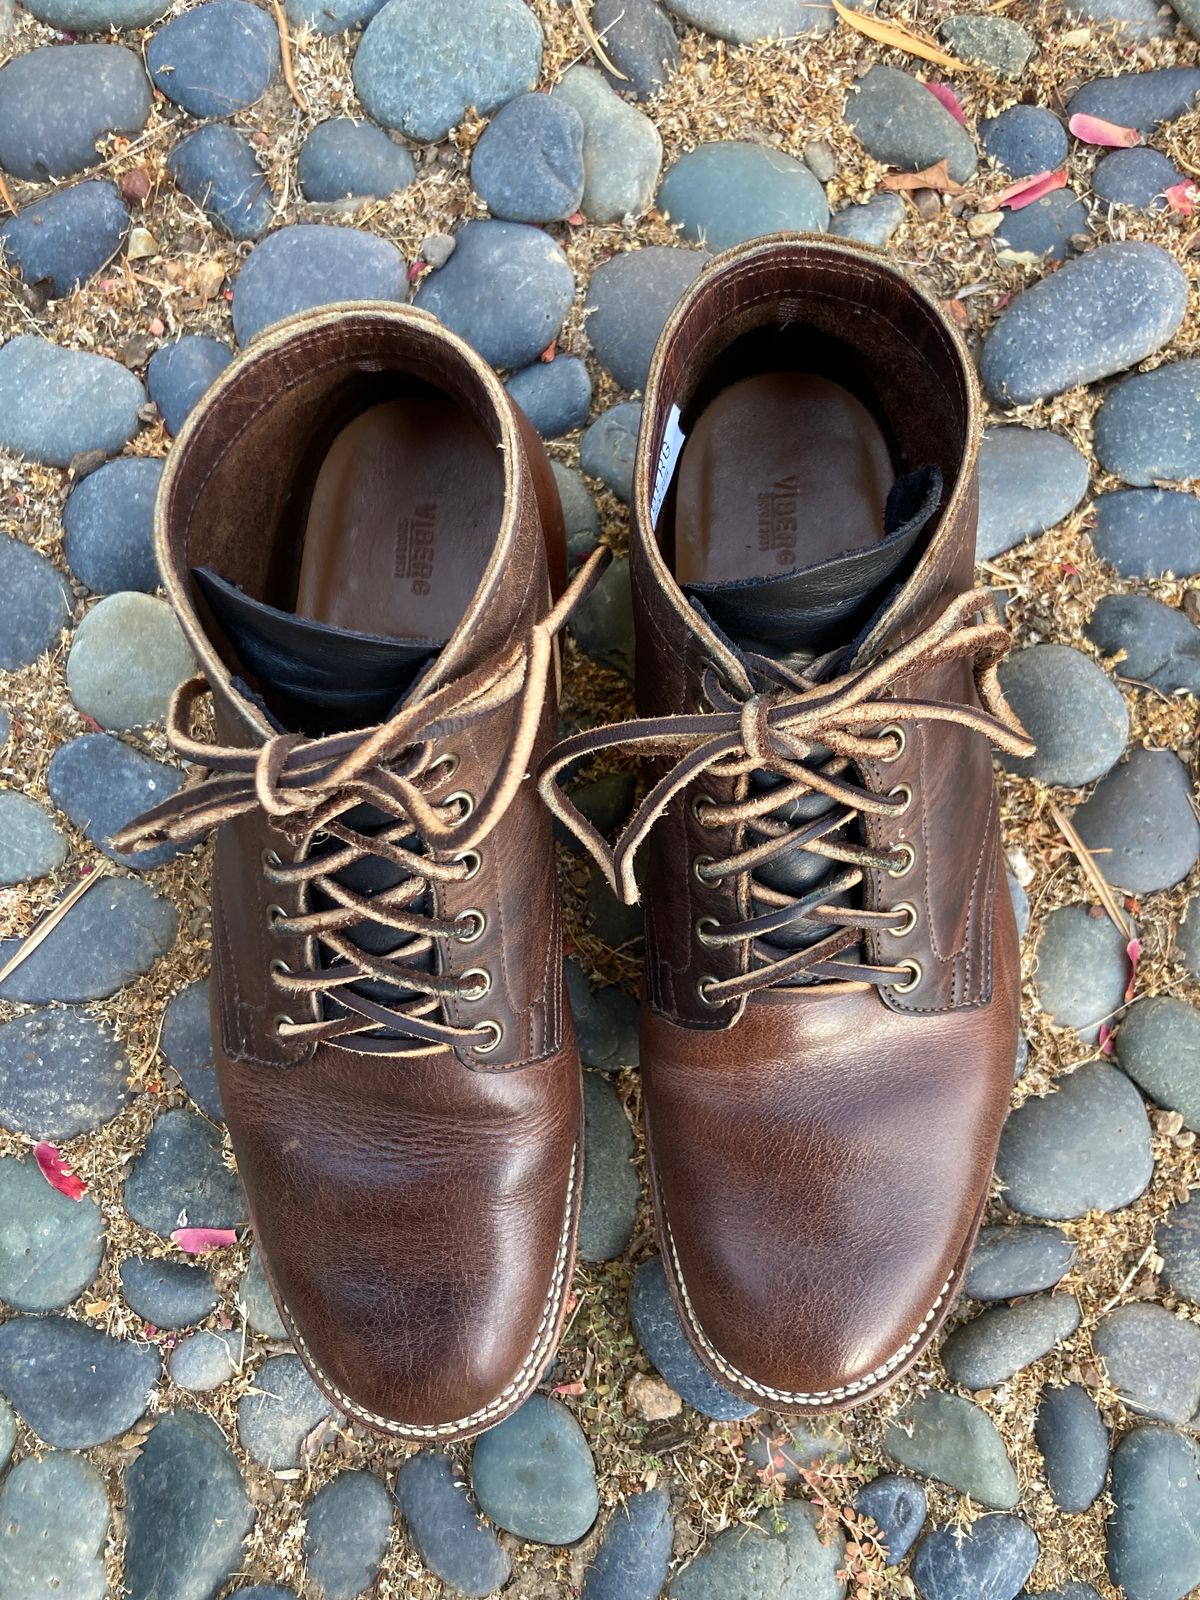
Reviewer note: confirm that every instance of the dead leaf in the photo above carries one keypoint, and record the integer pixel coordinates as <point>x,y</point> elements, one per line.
<point>935,177</point>
<point>899,38</point>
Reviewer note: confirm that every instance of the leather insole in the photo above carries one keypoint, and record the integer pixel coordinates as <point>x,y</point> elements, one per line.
<point>781,471</point>
<point>403,518</point>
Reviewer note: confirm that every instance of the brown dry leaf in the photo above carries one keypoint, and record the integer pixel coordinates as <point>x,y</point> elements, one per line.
<point>934,177</point>
<point>899,38</point>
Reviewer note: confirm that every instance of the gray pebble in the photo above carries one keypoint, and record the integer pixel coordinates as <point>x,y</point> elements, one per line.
<point>609,446</point>
<point>35,604</point>
<point>74,1385</point>
<point>555,395</point>
<point>1044,230</point>
<point>1148,533</point>
<point>528,163</point>
<point>186,1042</point>
<point>1148,428</point>
<point>1024,140</point>
<point>630,296</point>
<point>105,87</point>
<point>283,1408</point>
<point>50,1246</point>
<point>180,1180</point>
<point>127,658</point>
<point>348,1525</point>
<point>632,1559</point>
<point>1029,480</point>
<point>205,1360</point>
<point>102,784</point>
<point>781,1555</point>
<point>31,847</point>
<point>180,374</point>
<point>1134,20</point>
<point>1010,1261</point>
<point>611,1190</point>
<point>639,41</point>
<point>745,21</point>
<point>331,16</point>
<point>1157,644</point>
<point>998,43</point>
<point>1000,1342</point>
<point>606,1022</point>
<point>95,16</point>
<point>534,1476</point>
<point>342,159</point>
<point>990,1561</point>
<point>1074,1445</point>
<point>262,1314</point>
<point>945,1437</point>
<point>652,1312</point>
<point>1139,100</point>
<point>54,1511</point>
<point>873,222</point>
<point>1072,710</point>
<point>898,1508</point>
<point>216,59</point>
<point>311,264</point>
<point>451,1538</point>
<point>1141,815</point>
<point>783,1454</point>
<point>1154,1530</point>
<point>217,168</point>
<point>729,191</point>
<point>1135,178</point>
<point>56,404</point>
<point>1082,970</point>
<point>1152,1360</point>
<point>109,524</point>
<point>602,624</point>
<point>114,933</point>
<point>902,125</point>
<point>1177,1241</point>
<point>65,238</point>
<point>622,150</point>
<point>1158,1045</point>
<point>61,1073</point>
<point>170,1294</point>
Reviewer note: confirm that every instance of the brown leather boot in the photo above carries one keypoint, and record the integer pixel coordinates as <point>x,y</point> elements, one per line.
<point>359,534</point>
<point>831,1007</point>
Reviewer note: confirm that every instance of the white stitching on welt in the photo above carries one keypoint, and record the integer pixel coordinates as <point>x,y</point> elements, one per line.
<point>535,1359</point>
<point>787,1396</point>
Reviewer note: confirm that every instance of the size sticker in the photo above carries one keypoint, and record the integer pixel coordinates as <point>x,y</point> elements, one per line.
<point>667,457</point>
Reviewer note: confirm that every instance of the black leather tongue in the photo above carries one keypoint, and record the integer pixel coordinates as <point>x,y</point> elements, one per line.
<point>813,608</point>
<point>315,678</point>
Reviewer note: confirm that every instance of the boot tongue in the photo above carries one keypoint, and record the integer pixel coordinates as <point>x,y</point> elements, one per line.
<point>812,608</point>
<point>317,679</point>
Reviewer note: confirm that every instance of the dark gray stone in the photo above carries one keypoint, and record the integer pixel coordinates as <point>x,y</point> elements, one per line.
<point>54,1512</point>
<point>1141,815</point>
<point>1135,178</point>
<point>1074,1445</point>
<point>102,784</point>
<point>186,1042</point>
<point>606,801</point>
<point>180,374</point>
<point>1148,429</point>
<point>1083,1147</point>
<point>781,1555</point>
<point>331,16</point>
<point>1158,1045</point>
<point>1148,533</point>
<point>782,1454</point>
<point>579,513</point>
<point>216,59</point>
<point>729,191</point>
<point>744,21</point>
<point>1177,1241</point>
<point>420,68</point>
<point>998,43</point>
<point>1043,230</point>
<point>1152,1359</point>
<point>1100,313</point>
<point>180,1180</point>
<point>205,1360</point>
<point>506,290</point>
<point>1133,20</point>
<point>990,1561</point>
<point>1029,480</point>
<point>898,1509</point>
<point>312,264</point>
<point>554,395</point>
<point>622,150</point>
<point>602,623</point>
<point>1139,100</point>
<point>61,1073</point>
<point>74,1385</point>
<point>1024,140</point>
<point>999,1342</point>
<point>611,1190</point>
<point>1154,1530</point>
<point>274,1421</point>
<point>35,604</point>
<point>50,1246</point>
<point>343,159</point>
<point>617,925</point>
<point>255,1295</point>
<point>632,1559</point>
<point>96,16</point>
<point>66,237</point>
<point>105,87</point>
<point>109,525</point>
<point>127,659</point>
<point>217,168</point>
<point>902,125</point>
<point>1082,970</point>
<point>1072,710</point>
<point>630,296</point>
<point>31,847</point>
<point>652,1312</point>
<point>349,1522</point>
<point>56,404</point>
<point>114,933</point>
<point>1157,644</point>
<point>639,41</point>
<point>528,164</point>
<point>170,1294</point>
<point>1010,1261</point>
<point>533,1474</point>
<point>609,446</point>
<point>451,1538</point>
<point>606,1022</point>
<point>8,1432</point>
<point>873,222</point>
<point>186,1510</point>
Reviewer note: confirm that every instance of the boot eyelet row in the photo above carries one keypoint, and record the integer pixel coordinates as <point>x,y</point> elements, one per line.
<point>917,971</point>
<point>908,855</point>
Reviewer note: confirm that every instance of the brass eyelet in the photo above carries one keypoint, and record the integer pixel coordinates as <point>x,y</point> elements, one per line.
<point>471,859</point>
<point>449,760</point>
<point>275,915</point>
<point>483,987</point>
<point>271,860</point>
<point>698,871</point>
<point>904,789</point>
<point>279,968</point>
<point>462,798</point>
<point>900,737</point>
<point>909,912</point>
<point>703,985</point>
<point>704,938</point>
<point>699,800</point>
<point>281,1021</point>
<point>917,974</point>
<point>497,1033</point>
<point>474,927</point>
<point>909,855</point>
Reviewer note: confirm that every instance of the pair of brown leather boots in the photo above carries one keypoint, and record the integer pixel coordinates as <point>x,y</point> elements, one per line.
<point>362,539</point>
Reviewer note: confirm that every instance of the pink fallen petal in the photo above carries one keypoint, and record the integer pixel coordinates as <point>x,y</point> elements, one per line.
<point>943,93</point>
<point>196,1241</point>
<point>1182,197</point>
<point>1105,1039</point>
<point>1134,951</point>
<point>53,1167</point>
<point>1094,130</point>
<point>1028,190</point>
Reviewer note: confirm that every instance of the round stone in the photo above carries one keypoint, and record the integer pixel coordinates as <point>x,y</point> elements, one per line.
<point>74,1385</point>
<point>602,624</point>
<point>61,1073</point>
<point>1141,816</point>
<point>217,168</point>
<point>274,1421</point>
<point>205,1360</point>
<point>55,1513</point>
<point>729,191</point>
<point>606,1022</point>
<point>898,1508</point>
<point>307,265</point>
<point>1152,1359</point>
<point>1133,20</point>
<point>35,604</point>
<point>186,1042</point>
<point>990,1561</point>
<point>331,16</point>
<point>998,43</point>
<point>180,1180</point>
<point>1010,1261</point>
<point>216,59</point>
<point>96,16</point>
<point>506,290</point>
<point>420,68</point>
<point>1154,1529</point>
<point>622,149</point>
<point>348,1525</point>
<point>169,1294</point>
<point>528,164</point>
<point>109,524</point>
<point>609,447</point>
<point>1148,533</point>
<point>1158,1045</point>
<point>255,1296</point>
<point>639,41</point>
<point>652,1312</point>
<point>630,296</point>
<point>745,21</point>
<point>555,395</point>
<point>634,1554</point>
<point>1139,100</point>
<point>187,1513</point>
<point>102,784</point>
<point>611,1189</point>
<point>1148,428</point>
<point>451,1538</point>
<point>50,1246</point>
<point>1155,643</point>
<point>57,404</point>
<point>65,238</point>
<point>105,87</point>
<point>117,931</point>
<point>31,847</point>
<point>1024,140</point>
<point>782,1555</point>
<point>1044,230</point>
<point>180,374</point>
<point>874,222</point>
<point>127,658</point>
<point>1082,970</point>
<point>533,1474</point>
<point>1029,480</point>
<point>1136,178</point>
<point>1074,1445</point>
<point>1071,709</point>
<point>342,160</point>
<point>1083,1147</point>
<point>1177,1241</point>
<point>992,1347</point>
<point>903,125</point>
<point>1097,315</point>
